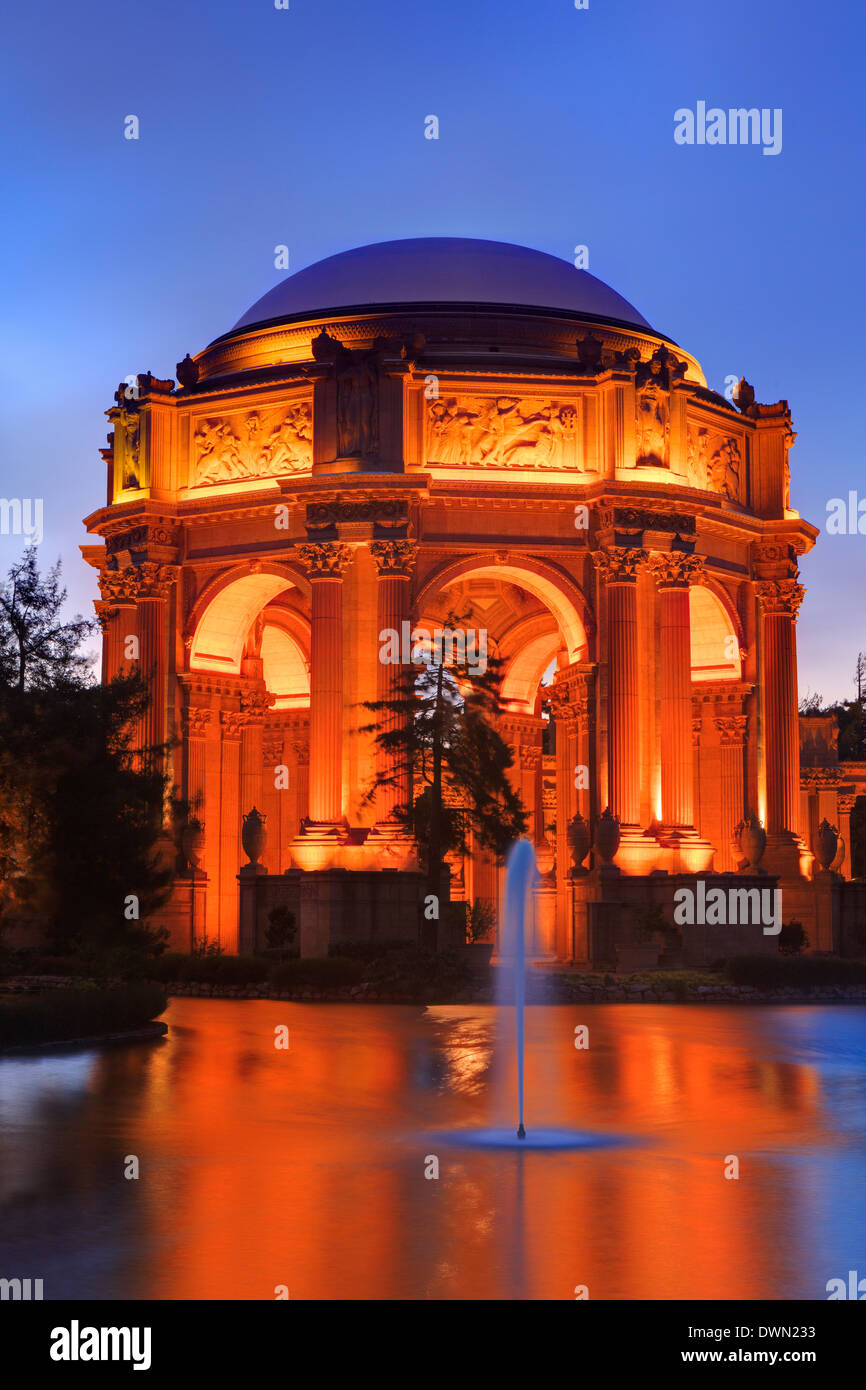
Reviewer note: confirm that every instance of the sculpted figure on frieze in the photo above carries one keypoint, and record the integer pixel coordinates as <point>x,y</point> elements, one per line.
<point>502,432</point>
<point>256,448</point>
<point>714,462</point>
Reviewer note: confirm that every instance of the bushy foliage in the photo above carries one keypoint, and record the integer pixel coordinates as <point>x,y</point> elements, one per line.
<point>60,1015</point>
<point>794,972</point>
<point>317,972</point>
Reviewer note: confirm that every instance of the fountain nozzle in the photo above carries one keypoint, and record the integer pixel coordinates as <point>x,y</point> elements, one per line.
<point>521,1133</point>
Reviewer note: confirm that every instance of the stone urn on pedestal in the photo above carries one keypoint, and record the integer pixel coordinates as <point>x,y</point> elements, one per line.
<point>254,837</point>
<point>606,841</point>
<point>192,844</point>
<point>826,845</point>
<point>578,843</point>
<point>752,839</point>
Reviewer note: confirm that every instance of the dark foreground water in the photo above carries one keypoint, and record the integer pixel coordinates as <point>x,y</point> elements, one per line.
<point>306,1168</point>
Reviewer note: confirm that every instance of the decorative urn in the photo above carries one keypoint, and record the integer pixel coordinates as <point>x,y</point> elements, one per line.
<point>254,835</point>
<point>606,841</point>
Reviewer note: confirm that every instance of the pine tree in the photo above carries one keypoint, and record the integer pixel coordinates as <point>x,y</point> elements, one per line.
<point>439,730</point>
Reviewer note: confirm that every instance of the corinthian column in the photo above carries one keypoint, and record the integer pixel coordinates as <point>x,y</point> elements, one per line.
<point>151,584</point>
<point>731,729</point>
<point>780,601</point>
<point>395,561</point>
<point>618,567</point>
<point>325,564</point>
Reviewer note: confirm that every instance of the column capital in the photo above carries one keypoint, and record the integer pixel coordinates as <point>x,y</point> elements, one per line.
<point>731,729</point>
<point>105,611</point>
<point>675,569</point>
<point>619,564</point>
<point>780,597</point>
<point>394,559</point>
<point>255,705</point>
<point>197,720</point>
<point>232,723</point>
<point>131,583</point>
<point>325,559</point>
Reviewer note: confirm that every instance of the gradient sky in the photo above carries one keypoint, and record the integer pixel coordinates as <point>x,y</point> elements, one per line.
<point>306,127</point>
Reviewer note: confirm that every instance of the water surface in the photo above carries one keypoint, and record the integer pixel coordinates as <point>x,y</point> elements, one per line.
<point>306,1168</point>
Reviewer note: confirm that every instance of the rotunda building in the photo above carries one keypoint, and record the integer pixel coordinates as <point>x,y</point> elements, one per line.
<point>423,426</point>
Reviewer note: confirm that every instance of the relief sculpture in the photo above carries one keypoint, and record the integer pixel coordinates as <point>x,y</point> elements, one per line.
<point>254,449</point>
<point>714,462</point>
<point>504,432</point>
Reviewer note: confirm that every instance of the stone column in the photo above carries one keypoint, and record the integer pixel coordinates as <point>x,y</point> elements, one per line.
<point>326,564</point>
<point>117,621</point>
<point>780,601</point>
<point>395,561</point>
<point>618,568</point>
<point>231,728</point>
<point>254,704</point>
<point>674,572</point>
<point>731,729</point>
<point>151,585</point>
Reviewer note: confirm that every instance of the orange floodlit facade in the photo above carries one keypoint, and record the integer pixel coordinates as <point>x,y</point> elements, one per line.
<point>441,425</point>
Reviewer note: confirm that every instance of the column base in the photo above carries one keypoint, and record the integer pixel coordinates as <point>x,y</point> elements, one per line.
<point>786,856</point>
<point>392,846</point>
<point>639,851</point>
<point>686,851</point>
<point>319,844</point>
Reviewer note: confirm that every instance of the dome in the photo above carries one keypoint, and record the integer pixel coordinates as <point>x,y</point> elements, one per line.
<point>442,271</point>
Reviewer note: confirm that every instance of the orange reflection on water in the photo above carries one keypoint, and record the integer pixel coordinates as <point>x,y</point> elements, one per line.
<point>306,1168</point>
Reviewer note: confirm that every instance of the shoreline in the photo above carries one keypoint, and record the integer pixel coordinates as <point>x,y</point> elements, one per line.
<point>146,1032</point>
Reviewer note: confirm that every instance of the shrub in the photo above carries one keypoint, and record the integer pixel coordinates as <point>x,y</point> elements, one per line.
<point>167,968</point>
<point>317,972</point>
<point>366,950</point>
<point>793,939</point>
<point>214,968</point>
<point>60,1015</point>
<point>794,972</point>
<point>281,931</point>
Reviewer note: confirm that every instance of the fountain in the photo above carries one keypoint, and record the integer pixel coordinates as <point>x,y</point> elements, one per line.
<point>511,989</point>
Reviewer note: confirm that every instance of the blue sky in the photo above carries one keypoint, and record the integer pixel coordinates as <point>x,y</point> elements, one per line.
<point>306,127</point>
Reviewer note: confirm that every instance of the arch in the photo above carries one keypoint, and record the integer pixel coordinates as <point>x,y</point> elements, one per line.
<point>523,673</point>
<point>551,586</point>
<point>715,639</point>
<point>226,610</point>
<point>284,668</point>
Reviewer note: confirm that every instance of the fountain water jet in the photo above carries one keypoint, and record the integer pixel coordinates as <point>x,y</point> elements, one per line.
<point>520,880</point>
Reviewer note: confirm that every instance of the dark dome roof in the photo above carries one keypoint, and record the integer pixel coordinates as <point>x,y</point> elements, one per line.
<point>439,271</point>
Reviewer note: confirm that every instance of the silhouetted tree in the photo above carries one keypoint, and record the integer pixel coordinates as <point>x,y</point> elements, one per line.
<point>38,648</point>
<point>444,735</point>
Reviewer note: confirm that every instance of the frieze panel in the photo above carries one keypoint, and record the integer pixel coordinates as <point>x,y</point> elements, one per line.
<point>265,444</point>
<point>715,462</point>
<point>502,432</point>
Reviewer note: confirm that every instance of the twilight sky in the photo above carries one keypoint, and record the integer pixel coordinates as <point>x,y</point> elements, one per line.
<point>305,127</point>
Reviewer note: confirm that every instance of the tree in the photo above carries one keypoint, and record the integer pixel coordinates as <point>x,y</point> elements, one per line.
<point>80,821</point>
<point>439,728</point>
<point>38,649</point>
<point>81,817</point>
